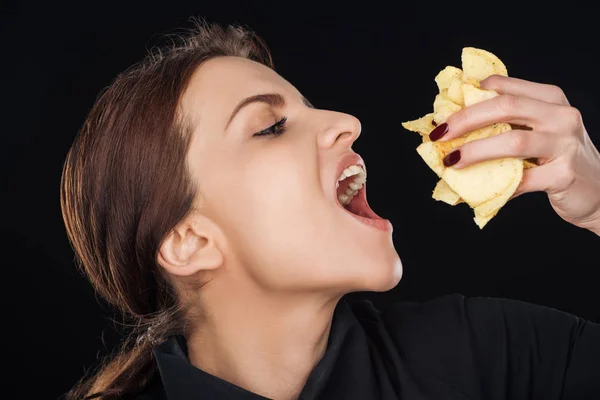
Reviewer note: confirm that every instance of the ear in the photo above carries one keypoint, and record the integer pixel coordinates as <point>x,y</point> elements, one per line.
<point>192,246</point>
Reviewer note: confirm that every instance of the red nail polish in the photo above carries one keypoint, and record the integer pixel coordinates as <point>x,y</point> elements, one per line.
<point>452,158</point>
<point>438,132</point>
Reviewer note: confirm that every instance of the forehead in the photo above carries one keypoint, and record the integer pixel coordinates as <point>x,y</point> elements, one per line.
<point>219,84</point>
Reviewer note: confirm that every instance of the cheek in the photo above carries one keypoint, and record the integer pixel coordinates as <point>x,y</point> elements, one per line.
<point>267,204</point>
<point>278,222</point>
<point>287,234</point>
<point>280,187</point>
<point>277,204</point>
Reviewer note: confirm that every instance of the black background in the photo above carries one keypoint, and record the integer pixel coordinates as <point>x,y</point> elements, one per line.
<point>373,60</point>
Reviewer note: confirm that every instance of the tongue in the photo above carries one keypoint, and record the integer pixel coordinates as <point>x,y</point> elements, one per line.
<point>359,206</point>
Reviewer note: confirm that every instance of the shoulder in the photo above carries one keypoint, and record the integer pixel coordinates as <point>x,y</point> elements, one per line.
<point>409,321</point>
<point>401,315</point>
<point>452,313</point>
<point>437,332</point>
<point>456,331</point>
<point>430,338</point>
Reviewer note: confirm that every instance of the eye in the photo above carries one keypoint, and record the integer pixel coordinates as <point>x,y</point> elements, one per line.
<point>276,129</point>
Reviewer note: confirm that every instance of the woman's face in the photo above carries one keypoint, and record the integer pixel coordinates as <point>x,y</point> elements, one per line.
<point>275,196</point>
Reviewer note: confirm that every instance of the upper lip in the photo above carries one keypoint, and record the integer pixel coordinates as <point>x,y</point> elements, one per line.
<point>346,161</point>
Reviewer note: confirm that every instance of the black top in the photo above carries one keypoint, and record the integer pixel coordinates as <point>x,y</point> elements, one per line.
<point>452,347</point>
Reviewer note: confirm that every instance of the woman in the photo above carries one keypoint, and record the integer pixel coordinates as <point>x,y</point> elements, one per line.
<point>201,198</point>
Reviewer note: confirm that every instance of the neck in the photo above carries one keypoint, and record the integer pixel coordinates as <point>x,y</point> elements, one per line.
<point>263,342</point>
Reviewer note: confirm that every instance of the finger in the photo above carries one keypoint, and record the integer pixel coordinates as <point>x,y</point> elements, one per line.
<point>516,110</point>
<point>514,143</point>
<point>520,87</point>
<point>544,178</point>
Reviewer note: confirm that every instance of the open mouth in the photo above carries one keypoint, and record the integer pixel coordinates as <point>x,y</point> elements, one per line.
<point>351,196</point>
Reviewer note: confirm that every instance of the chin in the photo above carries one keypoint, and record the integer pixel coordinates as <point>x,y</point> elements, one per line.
<point>380,277</point>
<point>389,279</point>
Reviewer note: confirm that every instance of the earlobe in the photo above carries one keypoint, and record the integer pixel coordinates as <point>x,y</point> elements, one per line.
<point>191,247</point>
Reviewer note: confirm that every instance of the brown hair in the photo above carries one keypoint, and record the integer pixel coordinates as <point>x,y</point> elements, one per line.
<point>125,185</point>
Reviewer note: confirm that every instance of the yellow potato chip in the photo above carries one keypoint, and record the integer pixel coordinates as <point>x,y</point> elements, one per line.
<point>492,206</point>
<point>472,94</point>
<point>446,147</point>
<point>482,221</point>
<point>442,192</point>
<point>500,127</point>
<point>479,64</point>
<point>444,77</point>
<point>429,153</point>
<point>455,91</point>
<point>443,107</point>
<point>487,132</point>
<point>485,186</point>
<point>483,181</point>
<point>470,81</point>
<point>423,125</point>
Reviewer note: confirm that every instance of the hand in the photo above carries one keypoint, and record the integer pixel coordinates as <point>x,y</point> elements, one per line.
<point>550,130</point>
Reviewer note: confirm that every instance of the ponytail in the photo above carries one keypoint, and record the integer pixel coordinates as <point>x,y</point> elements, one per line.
<point>131,368</point>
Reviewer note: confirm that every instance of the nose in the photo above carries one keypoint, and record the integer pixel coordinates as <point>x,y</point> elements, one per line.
<point>340,130</point>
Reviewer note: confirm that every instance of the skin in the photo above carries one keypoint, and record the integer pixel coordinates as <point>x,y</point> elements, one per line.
<point>267,247</point>
<point>553,132</point>
<point>268,241</point>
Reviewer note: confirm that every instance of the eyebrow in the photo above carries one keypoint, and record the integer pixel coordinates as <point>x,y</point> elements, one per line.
<point>272,99</point>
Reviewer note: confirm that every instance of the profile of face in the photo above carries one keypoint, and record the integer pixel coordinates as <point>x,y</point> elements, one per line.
<point>268,186</point>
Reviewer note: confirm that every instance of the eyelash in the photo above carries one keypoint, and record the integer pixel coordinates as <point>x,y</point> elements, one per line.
<point>276,129</point>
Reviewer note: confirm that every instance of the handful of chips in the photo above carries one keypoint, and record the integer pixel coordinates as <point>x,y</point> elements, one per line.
<point>485,186</point>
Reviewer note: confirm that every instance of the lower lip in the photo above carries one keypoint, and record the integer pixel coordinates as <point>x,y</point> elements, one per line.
<point>373,220</point>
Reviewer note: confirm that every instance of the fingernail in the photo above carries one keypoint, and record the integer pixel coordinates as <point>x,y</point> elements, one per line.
<point>438,132</point>
<point>452,158</point>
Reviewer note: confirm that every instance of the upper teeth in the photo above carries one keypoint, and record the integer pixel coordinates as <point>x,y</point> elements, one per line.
<point>360,177</point>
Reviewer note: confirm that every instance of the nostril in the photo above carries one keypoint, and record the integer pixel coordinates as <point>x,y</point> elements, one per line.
<point>344,136</point>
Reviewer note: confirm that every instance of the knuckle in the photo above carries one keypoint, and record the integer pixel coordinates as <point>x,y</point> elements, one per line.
<point>517,142</point>
<point>572,118</point>
<point>556,94</point>
<point>508,103</point>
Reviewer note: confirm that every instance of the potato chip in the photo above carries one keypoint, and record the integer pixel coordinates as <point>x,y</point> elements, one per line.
<point>482,221</point>
<point>529,164</point>
<point>455,91</point>
<point>443,107</point>
<point>444,77</point>
<point>487,132</point>
<point>446,147</point>
<point>479,64</point>
<point>483,181</point>
<point>423,125</point>
<point>472,94</point>
<point>471,81</point>
<point>443,192</point>
<point>485,186</point>
<point>492,206</point>
<point>429,153</point>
